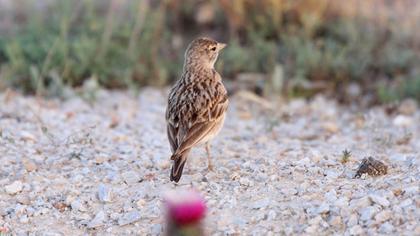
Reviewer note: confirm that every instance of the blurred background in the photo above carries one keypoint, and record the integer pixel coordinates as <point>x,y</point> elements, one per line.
<point>344,49</point>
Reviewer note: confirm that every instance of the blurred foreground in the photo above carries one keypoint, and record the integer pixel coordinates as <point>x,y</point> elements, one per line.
<point>296,48</point>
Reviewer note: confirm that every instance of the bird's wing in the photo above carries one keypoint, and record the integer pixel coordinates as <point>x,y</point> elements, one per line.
<point>195,117</point>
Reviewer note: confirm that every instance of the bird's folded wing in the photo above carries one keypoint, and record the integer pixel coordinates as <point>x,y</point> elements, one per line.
<point>192,134</point>
<point>172,136</point>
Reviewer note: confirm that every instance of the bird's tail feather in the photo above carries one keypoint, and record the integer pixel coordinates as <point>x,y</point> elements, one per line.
<point>178,166</point>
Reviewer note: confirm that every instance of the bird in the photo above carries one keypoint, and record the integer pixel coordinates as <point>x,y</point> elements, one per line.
<point>185,213</point>
<point>197,104</point>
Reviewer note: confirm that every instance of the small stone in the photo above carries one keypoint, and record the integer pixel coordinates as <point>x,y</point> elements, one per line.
<point>367,213</point>
<point>24,219</point>
<point>98,220</point>
<point>26,136</point>
<point>156,229</point>
<point>141,202</point>
<point>412,190</point>
<point>386,228</point>
<point>131,177</point>
<point>408,107</point>
<point>336,221</point>
<point>342,202</point>
<point>271,215</point>
<point>407,202</point>
<point>352,220</point>
<point>359,203</point>
<point>115,216</point>
<point>235,176</point>
<point>402,121</point>
<point>383,216</point>
<point>331,196</point>
<point>29,165</point>
<point>14,188</point>
<point>245,181</point>
<point>129,218</point>
<point>23,199</point>
<point>77,206</point>
<point>323,208</point>
<point>356,230</point>
<point>60,206</point>
<point>330,127</point>
<point>379,200</point>
<point>100,159</point>
<point>332,174</point>
<point>312,229</point>
<point>104,193</point>
<point>417,230</point>
<point>262,203</point>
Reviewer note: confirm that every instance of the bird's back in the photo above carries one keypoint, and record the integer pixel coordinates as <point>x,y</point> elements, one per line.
<point>193,98</point>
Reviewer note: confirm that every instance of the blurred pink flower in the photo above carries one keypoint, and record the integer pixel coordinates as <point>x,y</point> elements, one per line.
<point>185,207</point>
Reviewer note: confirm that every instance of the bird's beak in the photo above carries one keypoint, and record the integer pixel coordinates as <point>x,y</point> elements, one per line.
<point>221,45</point>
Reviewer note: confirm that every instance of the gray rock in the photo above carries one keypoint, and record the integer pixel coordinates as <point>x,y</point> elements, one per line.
<point>383,216</point>
<point>131,177</point>
<point>379,200</point>
<point>323,208</point>
<point>359,203</point>
<point>262,203</point>
<point>157,229</point>
<point>98,220</point>
<point>129,218</point>
<point>386,228</point>
<point>407,202</point>
<point>356,230</point>
<point>104,193</point>
<point>367,213</point>
<point>77,206</point>
<point>14,187</point>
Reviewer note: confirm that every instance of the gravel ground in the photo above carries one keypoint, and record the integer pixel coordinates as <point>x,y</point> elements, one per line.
<point>74,168</point>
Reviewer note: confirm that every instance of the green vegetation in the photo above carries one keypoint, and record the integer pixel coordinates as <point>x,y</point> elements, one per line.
<point>127,44</point>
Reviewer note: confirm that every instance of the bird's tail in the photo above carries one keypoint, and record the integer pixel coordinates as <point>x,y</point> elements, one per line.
<point>178,166</point>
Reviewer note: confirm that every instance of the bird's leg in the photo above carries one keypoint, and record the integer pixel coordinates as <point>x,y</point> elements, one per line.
<point>210,165</point>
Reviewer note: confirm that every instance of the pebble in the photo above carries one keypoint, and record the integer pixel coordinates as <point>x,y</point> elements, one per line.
<point>262,203</point>
<point>77,206</point>
<point>157,229</point>
<point>129,218</point>
<point>383,216</point>
<point>14,188</point>
<point>408,107</point>
<point>29,165</point>
<point>24,219</point>
<point>386,228</point>
<point>104,193</point>
<point>356,230</point>
<point>323,208</point>
<point>336,221</point>
<point>359,203</point>
<point>98,220</point>
<point>379,200</point>
<point>367,213</point>
<point>407,202</point>
<point>353,220</point>
<point>131,177</point>
<point>402,121</point>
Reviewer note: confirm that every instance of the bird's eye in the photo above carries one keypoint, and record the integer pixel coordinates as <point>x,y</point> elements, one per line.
<point>213,48</point>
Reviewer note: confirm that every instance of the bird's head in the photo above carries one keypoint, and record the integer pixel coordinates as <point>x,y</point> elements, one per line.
<point>203,51</point>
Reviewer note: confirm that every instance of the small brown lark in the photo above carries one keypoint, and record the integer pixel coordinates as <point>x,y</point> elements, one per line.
<point>197,103</point>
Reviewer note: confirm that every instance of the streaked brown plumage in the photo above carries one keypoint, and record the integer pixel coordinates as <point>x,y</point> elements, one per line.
<point>197,103</point>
